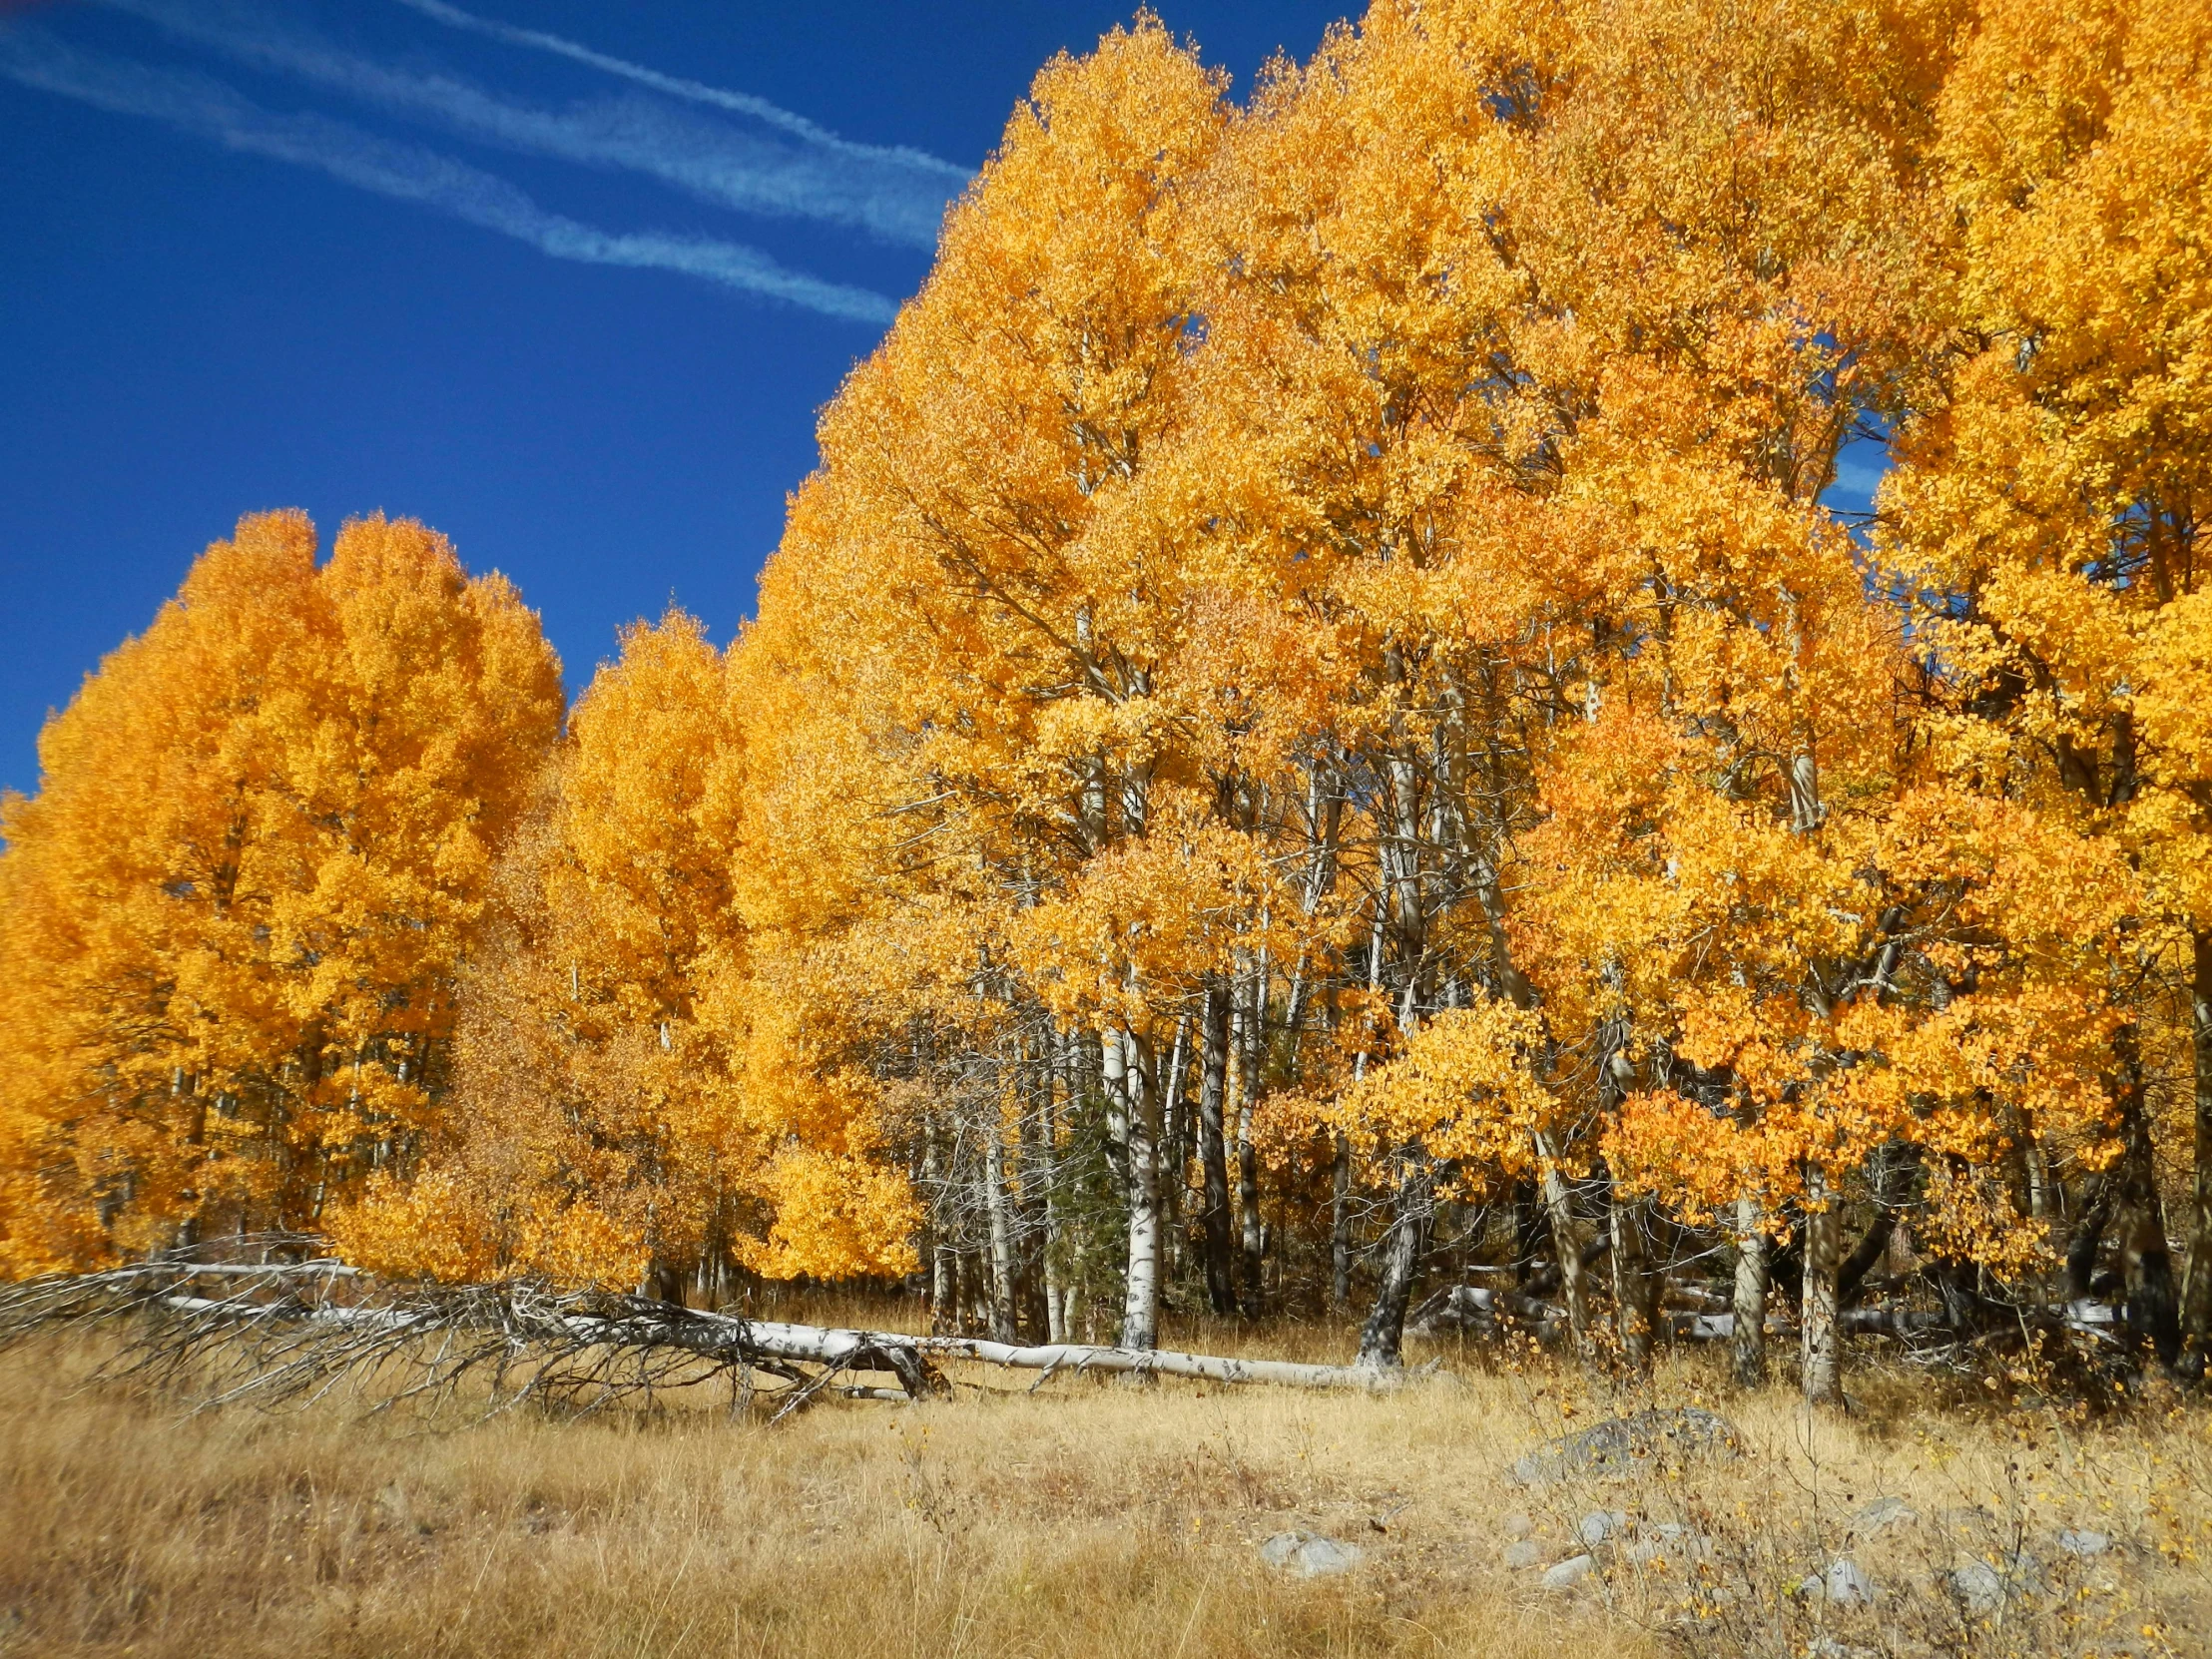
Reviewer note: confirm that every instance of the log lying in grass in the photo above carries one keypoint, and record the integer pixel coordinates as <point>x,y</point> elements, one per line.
<point>1150,1361</point>
<point>291,1332</point>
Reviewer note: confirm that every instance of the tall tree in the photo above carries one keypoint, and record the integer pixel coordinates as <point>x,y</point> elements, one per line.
<point>237,906</point>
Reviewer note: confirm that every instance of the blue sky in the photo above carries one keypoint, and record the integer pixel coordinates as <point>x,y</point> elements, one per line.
<point>567,281</point>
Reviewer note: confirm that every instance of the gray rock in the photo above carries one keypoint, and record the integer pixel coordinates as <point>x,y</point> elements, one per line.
<point>1599,1526</point>
<point>1668,1542</point>
<point>1625,1446</point>
<point>1979,1586</point>
<point>1524,1553</point>
<point>1308,1554</point>
<point>1882,1514</point>
<point>1570,1572</point>
<point>1847,1584</point>
<point>2081,1541</point>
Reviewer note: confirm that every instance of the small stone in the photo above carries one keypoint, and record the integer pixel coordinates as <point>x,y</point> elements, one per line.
<point>1524,1553</point>
<point>1668,1543</point>
<point>1570,1572</point>
<point>1847,1585</point>
<point>1308,1554</point>
<point>1882,1514</point>
<point>1518,1525</point>
<point>1978,1586</point>
<point>1599,1526</point>
<point>1627,1445</point>
<point>2081,1541</point>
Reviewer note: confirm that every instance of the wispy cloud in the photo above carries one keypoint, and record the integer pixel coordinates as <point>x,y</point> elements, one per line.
<point>697,92</point>
<point>896,195</point>
<point>211,110</point>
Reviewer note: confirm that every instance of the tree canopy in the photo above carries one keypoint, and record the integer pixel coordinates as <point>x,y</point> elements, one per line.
<point>1314,698</point>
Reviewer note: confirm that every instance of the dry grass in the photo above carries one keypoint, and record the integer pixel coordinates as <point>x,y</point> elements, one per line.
<point>1087,1518</point>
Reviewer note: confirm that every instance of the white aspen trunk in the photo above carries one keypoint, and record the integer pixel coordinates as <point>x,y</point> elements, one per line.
<point>1339,1225</point>
<point>1565,1245</point>
<point>1819,1327</point>
<point>709,1332</point>
<point>1174,1158</point>
<point>1002,1237</point>
<point>943,1290</point>
<point>827,1346</point>
<point>1248,1155</point>
<point>1213,1026</point>
<point>1113,1081</point>
<point>1806,810</point>
<point>1055,1309</point>
<point>1383,1338</point>
<point>1748,1340</point>
<point>1140,1317</point>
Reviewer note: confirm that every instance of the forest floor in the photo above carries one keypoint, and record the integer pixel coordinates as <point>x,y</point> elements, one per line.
<point>1094,1518</point>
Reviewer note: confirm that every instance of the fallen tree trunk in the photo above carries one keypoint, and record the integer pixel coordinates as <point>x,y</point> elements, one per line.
<point>292,1331</point>
<point>1151,1362</point>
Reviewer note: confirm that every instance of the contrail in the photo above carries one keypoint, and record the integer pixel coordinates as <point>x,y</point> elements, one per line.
<point>209,110</point>
<point>676,86</point>
<point>870,190</point>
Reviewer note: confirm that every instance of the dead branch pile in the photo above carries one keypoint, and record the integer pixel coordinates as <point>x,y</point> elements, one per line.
<point>295,1326</point>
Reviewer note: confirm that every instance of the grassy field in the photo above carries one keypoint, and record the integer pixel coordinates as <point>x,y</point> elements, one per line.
<point>1087,1518</point>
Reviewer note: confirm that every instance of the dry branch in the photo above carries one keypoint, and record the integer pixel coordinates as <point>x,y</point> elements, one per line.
<point>293,1329</point>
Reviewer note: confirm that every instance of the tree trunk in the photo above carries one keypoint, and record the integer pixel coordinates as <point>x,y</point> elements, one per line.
<point>1002,1235</point>
<point>1174,1158</point>
<point>378,1332</point>
<point>1383,1338</point>
<point>1248,1155</point>
<point>945,1313</point>
<point>663,1282</point>
<point>1893,1167</point>
<point>1565,1246</point>
<point>1633,1288</point>
<point>1822,1365</point>
<point>1140,1317</point>
<point>1221,1289</point>
<point>1339,1224</point>
<point>1748,1341</point>
<point>1528,1229</point>
<point>2197,1299</point>
<point>1055,1313</point>
<point>2146,1262</point>
<point>976,1290</point>
<point>2088,1232</point>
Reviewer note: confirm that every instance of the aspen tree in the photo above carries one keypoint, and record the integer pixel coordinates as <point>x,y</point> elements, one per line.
<point>238,903</point>
<point>2044,517</point>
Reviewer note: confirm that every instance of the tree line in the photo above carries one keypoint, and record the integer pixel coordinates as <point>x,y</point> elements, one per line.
<point>1311,726</point>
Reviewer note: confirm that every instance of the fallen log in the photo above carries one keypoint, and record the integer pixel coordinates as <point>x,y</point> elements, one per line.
<point>1149,1362</point>
<point>291,1332</point>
